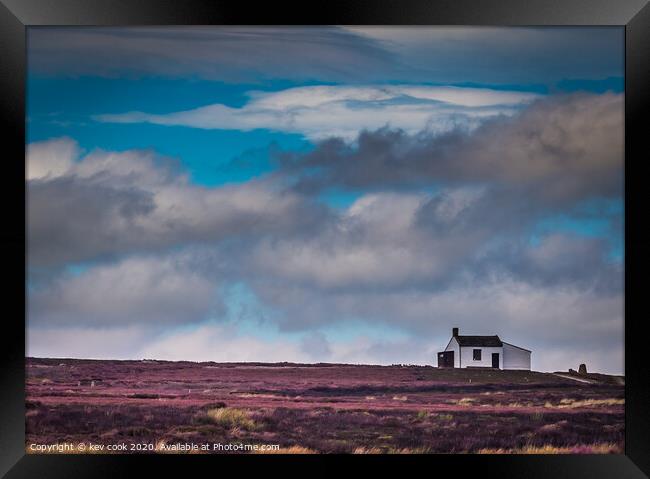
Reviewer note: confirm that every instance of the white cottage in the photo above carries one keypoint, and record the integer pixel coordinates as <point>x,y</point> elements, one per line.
<point>482,352</point>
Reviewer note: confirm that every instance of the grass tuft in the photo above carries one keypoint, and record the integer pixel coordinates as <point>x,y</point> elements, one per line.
<point>231,417</point>
<point>288,450</point>
<point>422,415</point>
<point>600,448</point>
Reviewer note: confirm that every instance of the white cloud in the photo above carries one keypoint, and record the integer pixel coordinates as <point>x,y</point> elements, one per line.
<point>140,290</point>
<point>319,112</point>
<point>50,159</point>
<point>80,341</point>
<point>223,343</point>
<point>374,242</point>
<point>105,203</point>
<point>384,240</point>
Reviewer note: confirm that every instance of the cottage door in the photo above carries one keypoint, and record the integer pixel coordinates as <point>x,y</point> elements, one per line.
<point>495,360</point>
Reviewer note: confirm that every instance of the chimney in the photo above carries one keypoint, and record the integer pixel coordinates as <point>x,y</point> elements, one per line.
<point>454,332</point>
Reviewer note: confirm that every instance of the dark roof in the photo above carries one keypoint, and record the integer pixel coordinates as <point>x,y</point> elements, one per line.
<point>486,341</point>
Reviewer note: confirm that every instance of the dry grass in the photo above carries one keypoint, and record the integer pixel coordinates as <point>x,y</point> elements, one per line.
<point>288,450</point>
<point>444,417</point>
<point>572,403</point>
<point>568,403</point>
<point>553,427</point>
<point>537,416</point>
<point>513,405</point>
<point>367,450</point>
<point>407,450</point>
<point>563,404</point>
<point>231,417</point>
<point>603,448</point>
<point>403,450</point>
<point>422,414</point>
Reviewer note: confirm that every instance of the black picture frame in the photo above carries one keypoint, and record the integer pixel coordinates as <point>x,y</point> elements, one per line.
<point>16,15</point>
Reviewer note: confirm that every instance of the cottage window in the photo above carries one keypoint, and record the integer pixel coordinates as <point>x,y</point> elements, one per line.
<point>477,355</point>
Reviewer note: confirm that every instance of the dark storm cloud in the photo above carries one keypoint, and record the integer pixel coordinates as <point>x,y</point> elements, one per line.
<point>479,55</point>
<point>510,55</point>
<point>227,53</point>
<point>72,220</point>
<point>559,149</point>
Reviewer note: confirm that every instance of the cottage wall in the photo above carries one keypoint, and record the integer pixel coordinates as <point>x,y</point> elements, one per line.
<point>467,356</point>
<point>515,358</point>
<point>453,346</point>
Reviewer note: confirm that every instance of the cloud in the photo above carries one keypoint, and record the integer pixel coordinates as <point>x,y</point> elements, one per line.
<point>174,289</point>
<point>71,221</point>
<point>222,343</point>
<point>320,112</point>
<point>226,53</point>
<point>375,243</point>
<point>510,55</point>
<point>80,341</point>
<point>107,203</point>
<point>573,316</point>
<point>416,261</point>
<point>363,54</point>
<point>416,278</point>
<point>316,346</point>
<point>562,256</point>
<point>50,159</point>
<point>563,148</point>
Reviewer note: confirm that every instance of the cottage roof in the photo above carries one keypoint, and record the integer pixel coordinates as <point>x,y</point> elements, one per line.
<point>485,341</point>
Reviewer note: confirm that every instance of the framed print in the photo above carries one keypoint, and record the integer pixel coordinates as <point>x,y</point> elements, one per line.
<point>371,234</point>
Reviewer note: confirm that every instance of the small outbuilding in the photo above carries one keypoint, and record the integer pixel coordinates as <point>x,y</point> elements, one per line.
<point>483,352</point>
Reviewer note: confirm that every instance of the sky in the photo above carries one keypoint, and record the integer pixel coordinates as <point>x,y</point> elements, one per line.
<point>325,194</point>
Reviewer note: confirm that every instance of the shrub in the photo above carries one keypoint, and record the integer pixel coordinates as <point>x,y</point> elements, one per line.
<point>445,417</point>
<point>231,417</point>
<point>422,414</point>
<point>537,416</point>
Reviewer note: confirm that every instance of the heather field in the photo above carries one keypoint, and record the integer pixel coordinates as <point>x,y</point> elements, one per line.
<point>159,406</point>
